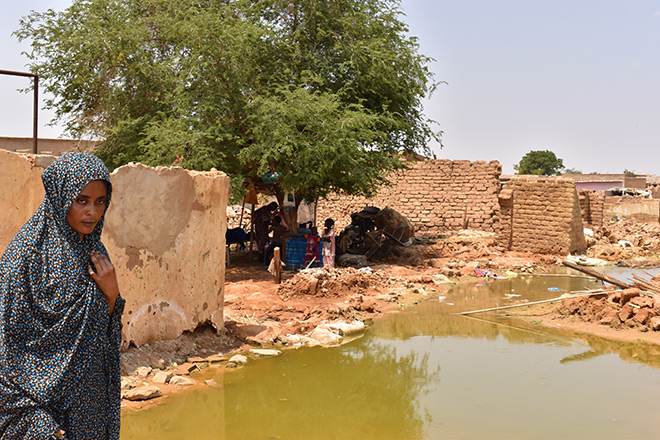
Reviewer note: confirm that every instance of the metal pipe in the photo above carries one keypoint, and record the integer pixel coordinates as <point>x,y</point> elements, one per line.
<point>13,72</point>
<point>35,123</point>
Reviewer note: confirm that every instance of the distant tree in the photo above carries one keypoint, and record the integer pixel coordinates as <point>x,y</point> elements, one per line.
<point>571,171</point>
<point>627,172</point>
<point>543,162</point>
<point>325,94</point>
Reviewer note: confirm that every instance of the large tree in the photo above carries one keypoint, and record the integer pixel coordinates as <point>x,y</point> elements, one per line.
<point>541,162</point>
<point>326,92</point>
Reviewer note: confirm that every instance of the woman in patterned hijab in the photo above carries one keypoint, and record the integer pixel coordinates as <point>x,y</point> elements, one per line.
<point>60,313</point>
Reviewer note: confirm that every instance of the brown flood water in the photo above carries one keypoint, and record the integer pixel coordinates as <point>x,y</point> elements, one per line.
<point>425,373</point>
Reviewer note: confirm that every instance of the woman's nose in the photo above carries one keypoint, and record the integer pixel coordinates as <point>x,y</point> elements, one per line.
<point>95,210</point>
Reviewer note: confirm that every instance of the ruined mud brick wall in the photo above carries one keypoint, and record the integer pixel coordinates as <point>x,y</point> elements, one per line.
<point>21,191</point>
<point>541,216</point>
<point>164,231</point>
<point>435,195</point>
<point>591,205</point>
<point>640,209</point>
<point>55,147</point>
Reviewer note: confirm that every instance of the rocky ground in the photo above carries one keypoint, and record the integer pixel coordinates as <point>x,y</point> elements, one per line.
<point>323,306</point>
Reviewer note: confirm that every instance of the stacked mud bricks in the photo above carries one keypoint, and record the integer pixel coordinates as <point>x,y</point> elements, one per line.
<point>541,216</point>
<point>435,195</point>
<point>591,205</point>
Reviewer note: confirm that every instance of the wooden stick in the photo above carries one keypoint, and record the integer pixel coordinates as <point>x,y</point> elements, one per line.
<point>597,275</point>
<point>561,298</point>
<point>311,262</point>
<point>278,265</point>
<point>645,285</point>
<point>651,283</point>
<point>567,275</point>
<point>647,273</point>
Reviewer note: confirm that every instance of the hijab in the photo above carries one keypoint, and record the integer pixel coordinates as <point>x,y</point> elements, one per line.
<point>59,347</point>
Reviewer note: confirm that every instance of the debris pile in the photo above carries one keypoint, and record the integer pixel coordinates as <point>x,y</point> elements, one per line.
<point>626,241</point>
<point>238,216</point>
<point>628,308</point>
<point>348,281</point>
<point>326,282</point>
<point>373,233</point>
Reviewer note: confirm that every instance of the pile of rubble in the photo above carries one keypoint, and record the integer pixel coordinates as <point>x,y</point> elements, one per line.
<point>339,282</point>
<point>626,241</point>
<point>629,308</point>
<point>238,216</point>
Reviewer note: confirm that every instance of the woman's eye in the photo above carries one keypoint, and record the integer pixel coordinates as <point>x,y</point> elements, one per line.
<point>81,201</point>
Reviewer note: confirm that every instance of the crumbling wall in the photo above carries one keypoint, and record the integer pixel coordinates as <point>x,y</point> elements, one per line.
<point>165,232</point>
<point>541,216</point>
<point>21,191</point>
<point>641,209</point>
<point>435,195</point>
<point>591,205</point>
<point>55,147</point>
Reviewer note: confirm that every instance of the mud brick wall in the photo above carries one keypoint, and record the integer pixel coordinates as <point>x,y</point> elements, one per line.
<point>164,231</point>
<point>640,209</point>
<point>435,195</point>
<point>591,205</point>
<point>541,216</point>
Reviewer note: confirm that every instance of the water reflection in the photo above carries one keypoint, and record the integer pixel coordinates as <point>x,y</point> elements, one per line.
<point>189,415</point>
<point>365,390</point>
<point>362,391</point>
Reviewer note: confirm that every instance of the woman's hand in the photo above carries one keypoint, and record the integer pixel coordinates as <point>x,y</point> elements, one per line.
<point>105,277</point>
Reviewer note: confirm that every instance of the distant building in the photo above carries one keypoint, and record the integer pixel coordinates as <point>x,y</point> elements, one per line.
<point>56,147</point>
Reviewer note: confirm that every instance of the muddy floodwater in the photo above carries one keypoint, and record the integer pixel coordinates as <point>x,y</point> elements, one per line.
<point>426,373</point>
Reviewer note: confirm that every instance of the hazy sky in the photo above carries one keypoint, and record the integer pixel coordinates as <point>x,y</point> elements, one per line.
<point>580,78</point>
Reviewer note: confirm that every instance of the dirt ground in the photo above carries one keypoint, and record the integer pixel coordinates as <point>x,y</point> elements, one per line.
<point>260,313</point>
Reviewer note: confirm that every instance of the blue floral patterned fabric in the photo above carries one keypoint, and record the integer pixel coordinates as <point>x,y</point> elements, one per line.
<point>59,346</point>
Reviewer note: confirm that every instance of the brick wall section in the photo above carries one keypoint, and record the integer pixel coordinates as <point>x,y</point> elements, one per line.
<point>639,208</point>
<point>591,205</point>
<point>435,195</point>
<point>55,147</point>
<point>541,216</point>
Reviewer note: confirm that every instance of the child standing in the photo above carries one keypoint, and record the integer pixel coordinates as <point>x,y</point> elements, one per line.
<point>328,238</point>
<point>312,250</point>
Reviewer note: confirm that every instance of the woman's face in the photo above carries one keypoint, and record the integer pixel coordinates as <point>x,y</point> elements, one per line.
<point>88,208</point>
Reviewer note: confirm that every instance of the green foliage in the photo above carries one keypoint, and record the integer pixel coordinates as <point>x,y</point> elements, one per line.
<point>542,162</point>
<point>327,92</point>
<point>627,172</point>
<point>571,171</point>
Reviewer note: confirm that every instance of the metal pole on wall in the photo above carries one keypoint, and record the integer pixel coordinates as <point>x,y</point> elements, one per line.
<point>35,125</point>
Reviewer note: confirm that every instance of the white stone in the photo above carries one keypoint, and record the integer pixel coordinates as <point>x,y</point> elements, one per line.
<point>142,393</point>
<point>181,381</point>
<point>142,371</point>
<point>238,359</point>
<point>265,352</point>
<point>325,336</point>
<point>343,328</point>
<point>162,377</point>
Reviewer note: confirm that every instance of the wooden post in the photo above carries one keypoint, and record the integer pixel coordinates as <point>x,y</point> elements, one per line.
<point>277,261</point>
<point>598,275</point>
